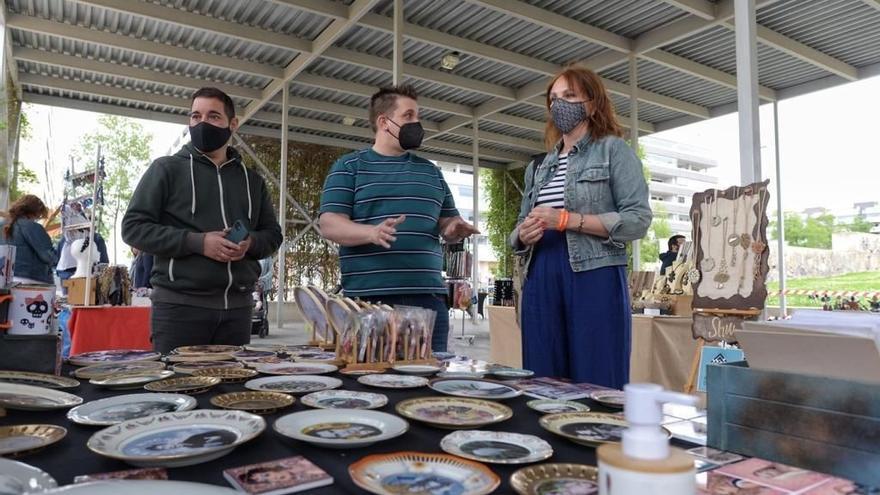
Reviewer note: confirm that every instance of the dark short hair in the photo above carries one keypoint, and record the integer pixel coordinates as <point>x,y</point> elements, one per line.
<point>228,104</point>
<point>385,101</point>
<point>673,241</point>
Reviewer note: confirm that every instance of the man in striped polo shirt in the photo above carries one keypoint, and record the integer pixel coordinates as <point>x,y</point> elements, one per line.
<point>387,209</point>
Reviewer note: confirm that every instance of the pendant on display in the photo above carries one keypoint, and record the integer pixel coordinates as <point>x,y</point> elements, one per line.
<point>758,247</point>
<point>693,276</point>
<point>716,220</point>
<point>721,277</point>
<point>707,265</point>
<point>733,240</point>
<point>745,240</point>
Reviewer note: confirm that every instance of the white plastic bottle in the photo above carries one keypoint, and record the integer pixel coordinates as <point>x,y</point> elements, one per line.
<point>644,463</point>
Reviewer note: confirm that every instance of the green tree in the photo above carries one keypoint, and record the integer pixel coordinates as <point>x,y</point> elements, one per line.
<point>21,175</point>
<point>502,190</point>
<point>126,148</point>
<point>859,224</point>
<point>659,230</point>
<point>814,232</point>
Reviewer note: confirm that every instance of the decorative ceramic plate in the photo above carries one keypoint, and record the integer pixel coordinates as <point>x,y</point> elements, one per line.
<point>300,384</point>
<point>609,398</point>
<point>127,381</point>
<point>197,358</point>
<point>114,410</point>
<point>393,381</point>
<point>313,356</point>
<point>545,479</point>
<point>113,356</point>
<point>453,412</point>
<point>468,375</point>
<point>30,398</point>
<point>360,372</point>
<point>416,369</point>
<point>20,440</point>
<point>110,369</point>
<point>511,373</point>
<point>188,368</point>
<point>186,384</point>
<point>478,389</point>
<point>263,347</point>
<point>18,477</point>
<point>341,428</point>
<point>496,447</point>
<point>37,379</point>
<point>254,402</point>
<point>141,487</point>
<point>268,359</point>
<point>227,375</point>
<point>422,473</point>
<point>248,354</point>
<point>554,406</point>
<point>289,368</point>
<point>344,399</point>
<point>206,349</point>
<point>177,439</point>
<point>586,428</point>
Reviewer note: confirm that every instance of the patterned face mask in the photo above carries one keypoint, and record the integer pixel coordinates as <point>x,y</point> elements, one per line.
<point>567,114</point>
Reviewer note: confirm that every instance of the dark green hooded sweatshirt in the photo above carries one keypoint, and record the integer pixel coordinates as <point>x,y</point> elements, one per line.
<point>178,200</point>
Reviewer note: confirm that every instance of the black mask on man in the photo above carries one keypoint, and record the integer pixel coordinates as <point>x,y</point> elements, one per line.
<point>207,138</point>
<point>410,135</point>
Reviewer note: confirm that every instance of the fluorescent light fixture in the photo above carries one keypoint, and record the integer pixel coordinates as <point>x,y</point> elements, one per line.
<point>348,120</point>
<point>450,60</point>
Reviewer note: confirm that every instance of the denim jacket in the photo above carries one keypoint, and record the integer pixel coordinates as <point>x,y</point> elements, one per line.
<point>604,178</point>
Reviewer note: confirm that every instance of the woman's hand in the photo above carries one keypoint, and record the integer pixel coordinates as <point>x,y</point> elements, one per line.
<point>548,216</point>
<point>531,231</point>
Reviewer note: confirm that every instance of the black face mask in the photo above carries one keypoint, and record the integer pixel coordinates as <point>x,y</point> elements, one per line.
<point>410,135</point>
<point>207,138</point>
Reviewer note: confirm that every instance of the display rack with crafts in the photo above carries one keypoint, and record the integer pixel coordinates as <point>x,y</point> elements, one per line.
<point>312,305</point>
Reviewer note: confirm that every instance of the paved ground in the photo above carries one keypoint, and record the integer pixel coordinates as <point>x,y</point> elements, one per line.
<point>295,333</point>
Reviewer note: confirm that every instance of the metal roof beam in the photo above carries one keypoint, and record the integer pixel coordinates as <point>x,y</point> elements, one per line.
<point>700,8</point>
<point>127,72</point>
<point>872,3</point>
<point>324,40</point>
<point>89,106</point>
<point>701,71</point>
<point>76,33</point>
<point>190,20</point>
<point>334,10</point>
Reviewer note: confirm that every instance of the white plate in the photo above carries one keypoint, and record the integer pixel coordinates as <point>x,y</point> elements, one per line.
<point>37,379</point>
<point>30,398</point>
<point>188,368</point>
<point>127,381</point>
<point>553,406</point>
<point>18,477</point>
<point>341,428</point>
<point>393,381</point>
<point>289,368</point>
<point>412,472</point>
<point>496,447</point>
<point>476,375</point>
<point>110,369</point>
<point>313,356</point>
<point>416,369</point>
<point>299,384</point>
<point>141,487</point>
<point>609,398</point>
<point>511,373</point>
<point>177,439</point>
<point>344,399</point>
<point>476,389</point>
<point>113,356</point>
<point>113,410</point>
<point>250,354</point>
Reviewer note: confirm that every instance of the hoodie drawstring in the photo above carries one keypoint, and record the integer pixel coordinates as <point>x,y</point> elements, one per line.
<point>247,184</point>
<point>192,179</point>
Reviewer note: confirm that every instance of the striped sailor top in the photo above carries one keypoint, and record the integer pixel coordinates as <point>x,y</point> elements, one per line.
<point>553,192</point>
<point>369,188</point>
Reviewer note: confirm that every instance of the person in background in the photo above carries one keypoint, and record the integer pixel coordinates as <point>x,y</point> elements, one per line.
<point>674,243</point>
<point>388,208</point>
<point>141,268</point>
<point>582,204</point>
<point>34,254</point>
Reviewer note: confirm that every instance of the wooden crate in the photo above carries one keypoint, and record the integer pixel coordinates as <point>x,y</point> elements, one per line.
<point>823,424</point>
<point>76,288</point>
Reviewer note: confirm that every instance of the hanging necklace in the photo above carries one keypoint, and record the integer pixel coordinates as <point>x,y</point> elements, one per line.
<point>745,240</point>
<point>733,240</point>
<point>759,246</point>
<point>693,274</point>
<point>721,277</point>
<point>708,263</point>
<point>716,220</point>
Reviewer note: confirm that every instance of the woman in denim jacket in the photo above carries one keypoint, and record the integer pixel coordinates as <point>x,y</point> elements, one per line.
<point>582,204</point>
<point>34,253</point>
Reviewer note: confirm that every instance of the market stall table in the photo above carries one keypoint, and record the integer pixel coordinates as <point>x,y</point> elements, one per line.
<point>98,328</point>
<point>70,457</point>
<point>662,350</point>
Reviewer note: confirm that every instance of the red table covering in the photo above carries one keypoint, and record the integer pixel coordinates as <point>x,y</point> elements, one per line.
<point>97,328</point>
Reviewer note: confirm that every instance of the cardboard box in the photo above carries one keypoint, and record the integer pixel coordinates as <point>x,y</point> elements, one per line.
<point>76,288</point>
<point>682,305</point>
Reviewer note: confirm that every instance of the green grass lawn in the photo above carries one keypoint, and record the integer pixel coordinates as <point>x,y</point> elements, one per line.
<point>861,281</point>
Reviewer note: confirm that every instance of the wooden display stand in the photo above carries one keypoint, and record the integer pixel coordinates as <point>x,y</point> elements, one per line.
<point>76,289</point>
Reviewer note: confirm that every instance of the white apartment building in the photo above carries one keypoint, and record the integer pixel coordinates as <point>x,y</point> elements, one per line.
<point>461,184</point>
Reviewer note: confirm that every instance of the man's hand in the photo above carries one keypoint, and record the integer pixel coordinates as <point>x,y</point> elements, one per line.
<point>531,230</point>
<point>383,233</point>
<point>218,248</point>
<point>243,247</point>
<point>457,229</point>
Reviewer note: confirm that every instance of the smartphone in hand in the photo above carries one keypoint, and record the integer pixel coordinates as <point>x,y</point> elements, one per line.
<point>238,233</point>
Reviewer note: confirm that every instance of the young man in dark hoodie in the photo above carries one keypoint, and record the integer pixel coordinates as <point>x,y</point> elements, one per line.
<point>181,212</point>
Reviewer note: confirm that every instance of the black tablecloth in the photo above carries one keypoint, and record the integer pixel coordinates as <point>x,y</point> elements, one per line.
<point>70,457</point>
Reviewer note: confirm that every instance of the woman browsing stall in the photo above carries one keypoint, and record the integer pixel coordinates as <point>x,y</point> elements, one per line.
<point>34,253</point>
<point>582,204</point>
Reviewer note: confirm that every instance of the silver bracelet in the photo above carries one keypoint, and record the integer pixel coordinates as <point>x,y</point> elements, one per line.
<point>581,224</point>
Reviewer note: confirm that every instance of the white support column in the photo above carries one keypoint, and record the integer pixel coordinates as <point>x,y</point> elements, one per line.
<point>398,42</point>
<point>476,243</point>
<point>5,151</point>
<point>747,91</point>
<point>634,138</point>
<point>780,216</point>
<point>282,208</point>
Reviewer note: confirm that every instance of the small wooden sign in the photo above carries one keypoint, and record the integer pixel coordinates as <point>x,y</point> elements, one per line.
<point>717,328</point>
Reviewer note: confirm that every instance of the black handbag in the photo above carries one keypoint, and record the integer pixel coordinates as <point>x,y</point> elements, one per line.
<point>36,353</point>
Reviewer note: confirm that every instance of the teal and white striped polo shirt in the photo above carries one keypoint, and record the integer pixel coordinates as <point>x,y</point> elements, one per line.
<point>369,188</point>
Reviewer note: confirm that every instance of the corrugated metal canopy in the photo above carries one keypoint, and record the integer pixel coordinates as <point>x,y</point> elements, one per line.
<point>144,58</point>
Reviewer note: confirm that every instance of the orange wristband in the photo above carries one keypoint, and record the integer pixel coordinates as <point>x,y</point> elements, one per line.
<point>563,220</point>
